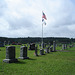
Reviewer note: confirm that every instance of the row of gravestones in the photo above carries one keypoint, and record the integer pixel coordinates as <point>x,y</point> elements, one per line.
<point>64,46</point>
<point>10,53</point>
<point>8,43</point>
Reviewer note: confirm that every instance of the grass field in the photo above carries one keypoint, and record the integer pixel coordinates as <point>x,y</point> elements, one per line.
<point>53,63</point>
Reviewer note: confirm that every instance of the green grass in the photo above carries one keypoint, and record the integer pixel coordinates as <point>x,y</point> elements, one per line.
<point>54,63</point>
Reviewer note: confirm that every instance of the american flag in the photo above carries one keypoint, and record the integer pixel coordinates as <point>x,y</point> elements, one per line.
<point>43,15</point>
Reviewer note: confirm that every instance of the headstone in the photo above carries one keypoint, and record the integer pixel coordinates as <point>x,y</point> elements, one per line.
<point>54,46</point>
<point>4,43</point>
<point>8,42</point>
<point>49,44</point>
<point>32,46</point>
<point>70,46</point>
<point>63,46</point>
<point>47,50</point>
<point>51,49</point>
<point>42,52</point>
<point>10,55</point>
<point>36,54</point>
<point>23,53</point>
<point>39,45</point>
<point>45,45</point>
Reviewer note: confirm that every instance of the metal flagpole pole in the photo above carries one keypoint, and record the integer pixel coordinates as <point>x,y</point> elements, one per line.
<point>43,17</point>
<point>42,36</point>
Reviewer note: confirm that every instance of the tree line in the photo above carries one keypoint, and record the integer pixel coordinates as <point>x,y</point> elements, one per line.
<point>24,40</point>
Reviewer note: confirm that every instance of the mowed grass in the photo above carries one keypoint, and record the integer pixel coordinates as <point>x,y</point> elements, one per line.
<point>53,63</point>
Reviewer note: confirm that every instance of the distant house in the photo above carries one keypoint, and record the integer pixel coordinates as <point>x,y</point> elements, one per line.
<point>13,43</point>
<point>19,43</point>
<point>16,43</point>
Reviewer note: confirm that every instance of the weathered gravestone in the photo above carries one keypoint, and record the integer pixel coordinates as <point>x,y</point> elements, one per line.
<point>45,45</point>
<point>10,55</point>
<point>54,46</point>
<point>70,46</point>
<point>4,43</point>
<point>39,45</point>
<point>51,49</point>
<point>47,50</point>
<point>42,52</point>
<point>8,42</point>
<point>36,54</point>
<point>63,46</point>
<point>49,44</point>
<point>23,53</point>
<point>32,46</point>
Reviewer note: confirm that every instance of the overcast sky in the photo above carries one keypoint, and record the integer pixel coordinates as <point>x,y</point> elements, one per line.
<point>23,18</point>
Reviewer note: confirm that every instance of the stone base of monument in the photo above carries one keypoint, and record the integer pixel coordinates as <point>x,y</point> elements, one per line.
<point>10,60</point>
<point>23,57</point>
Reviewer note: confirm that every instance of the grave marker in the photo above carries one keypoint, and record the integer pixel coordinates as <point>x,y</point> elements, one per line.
<point>54,46</point>
<point>23,53</point>
<point>51,49</point>
<point>42,52</point>
<point>10,55</point>
<point>36,54</point>
<point>63,46</point>
<point>47,50</point>
<point>32,46</point>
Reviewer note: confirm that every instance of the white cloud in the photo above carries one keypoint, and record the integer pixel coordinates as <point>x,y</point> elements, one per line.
<point>23,18</point>
<point>3,24</point>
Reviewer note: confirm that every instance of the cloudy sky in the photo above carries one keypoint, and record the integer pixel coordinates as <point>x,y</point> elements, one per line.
<point>23,18</point>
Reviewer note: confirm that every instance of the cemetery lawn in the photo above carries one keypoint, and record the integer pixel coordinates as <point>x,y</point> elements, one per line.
<point>53,63</point>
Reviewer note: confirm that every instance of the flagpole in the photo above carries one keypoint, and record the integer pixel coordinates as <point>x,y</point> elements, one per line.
<point>43,17</point>
<point>42,36</point>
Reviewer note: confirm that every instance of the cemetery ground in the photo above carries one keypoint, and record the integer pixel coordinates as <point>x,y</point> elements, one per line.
<point>61,62</point>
